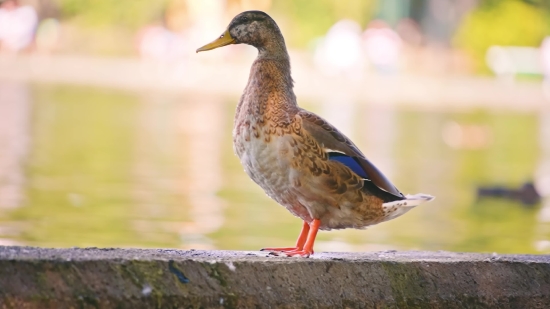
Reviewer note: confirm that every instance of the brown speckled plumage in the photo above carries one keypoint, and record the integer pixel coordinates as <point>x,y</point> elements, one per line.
<point>289,151</point>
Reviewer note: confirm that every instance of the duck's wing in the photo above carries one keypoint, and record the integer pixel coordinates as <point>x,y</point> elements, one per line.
<point>342,149</point>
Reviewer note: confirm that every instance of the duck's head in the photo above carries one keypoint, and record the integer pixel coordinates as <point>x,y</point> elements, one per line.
<point>254,28</point>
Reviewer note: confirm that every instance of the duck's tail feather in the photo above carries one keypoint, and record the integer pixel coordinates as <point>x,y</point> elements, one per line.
<point>417,199</point>
<point>397,208</point>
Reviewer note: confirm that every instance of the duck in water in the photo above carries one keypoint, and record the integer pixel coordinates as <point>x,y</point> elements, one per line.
<point>298,158</point>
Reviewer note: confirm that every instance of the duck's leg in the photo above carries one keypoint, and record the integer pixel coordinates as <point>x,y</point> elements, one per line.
<point>307,250</point>
<point>299,243</point>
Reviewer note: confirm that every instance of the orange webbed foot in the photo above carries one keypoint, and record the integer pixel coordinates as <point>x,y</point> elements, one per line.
<point>304,245</point>
<point>280,249</point>
<point>302,253</point>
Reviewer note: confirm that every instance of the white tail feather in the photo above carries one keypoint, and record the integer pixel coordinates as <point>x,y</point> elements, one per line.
<point>397,208</point>
<point>417,199</point>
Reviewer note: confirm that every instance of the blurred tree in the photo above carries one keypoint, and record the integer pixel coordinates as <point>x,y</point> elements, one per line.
<point>307,19</point>
<point>310,19</point>
<point>501,22</point>
<point>126,13</point>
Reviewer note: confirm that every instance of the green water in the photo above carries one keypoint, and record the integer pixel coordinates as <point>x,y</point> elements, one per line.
<point>106,168</point>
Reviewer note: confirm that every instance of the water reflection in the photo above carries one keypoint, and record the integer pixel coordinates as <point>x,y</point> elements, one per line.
<point>542,242</point>
<point>158,170</point>
<point>380,134</point>
<point>15,111</point>
<point>202,122</point>
<point>14,142</point>
<point>178,155</point>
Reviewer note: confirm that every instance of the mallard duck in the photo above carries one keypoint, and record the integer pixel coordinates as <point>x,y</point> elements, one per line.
<point>298,158</point>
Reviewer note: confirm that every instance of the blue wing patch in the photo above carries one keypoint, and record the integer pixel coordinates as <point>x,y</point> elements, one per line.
<point>349,162</point>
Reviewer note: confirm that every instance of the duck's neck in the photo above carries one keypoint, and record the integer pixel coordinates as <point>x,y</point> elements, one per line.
<point>269,95</point>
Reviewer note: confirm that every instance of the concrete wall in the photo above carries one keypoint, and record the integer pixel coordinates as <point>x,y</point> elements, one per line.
<point>132,278</point>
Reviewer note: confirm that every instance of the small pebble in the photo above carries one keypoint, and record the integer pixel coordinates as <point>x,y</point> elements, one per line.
<point>147,289</point>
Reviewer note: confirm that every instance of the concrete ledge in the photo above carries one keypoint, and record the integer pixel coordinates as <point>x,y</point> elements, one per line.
<point>132,278</point>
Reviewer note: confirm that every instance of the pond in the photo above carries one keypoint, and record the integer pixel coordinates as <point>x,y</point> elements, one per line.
<point>94,167</point>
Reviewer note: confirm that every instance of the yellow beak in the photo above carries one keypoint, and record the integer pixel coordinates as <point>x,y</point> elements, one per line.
<point>224,39</point>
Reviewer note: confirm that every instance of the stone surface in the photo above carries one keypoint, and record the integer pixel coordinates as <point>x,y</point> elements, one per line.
<point>162,278</point>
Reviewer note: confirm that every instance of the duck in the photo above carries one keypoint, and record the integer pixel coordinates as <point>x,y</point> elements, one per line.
<point>298,158</point>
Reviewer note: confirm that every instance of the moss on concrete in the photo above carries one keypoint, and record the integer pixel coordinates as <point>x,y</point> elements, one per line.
<point>132,278</point>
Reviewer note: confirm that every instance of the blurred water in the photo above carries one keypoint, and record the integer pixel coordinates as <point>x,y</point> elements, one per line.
<point>95,167</point>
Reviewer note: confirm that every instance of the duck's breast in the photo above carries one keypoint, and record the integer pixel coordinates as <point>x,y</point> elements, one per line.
<point>266,158</point>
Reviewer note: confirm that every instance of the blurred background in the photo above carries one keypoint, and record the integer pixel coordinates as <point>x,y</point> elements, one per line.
<point>113,132</point>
